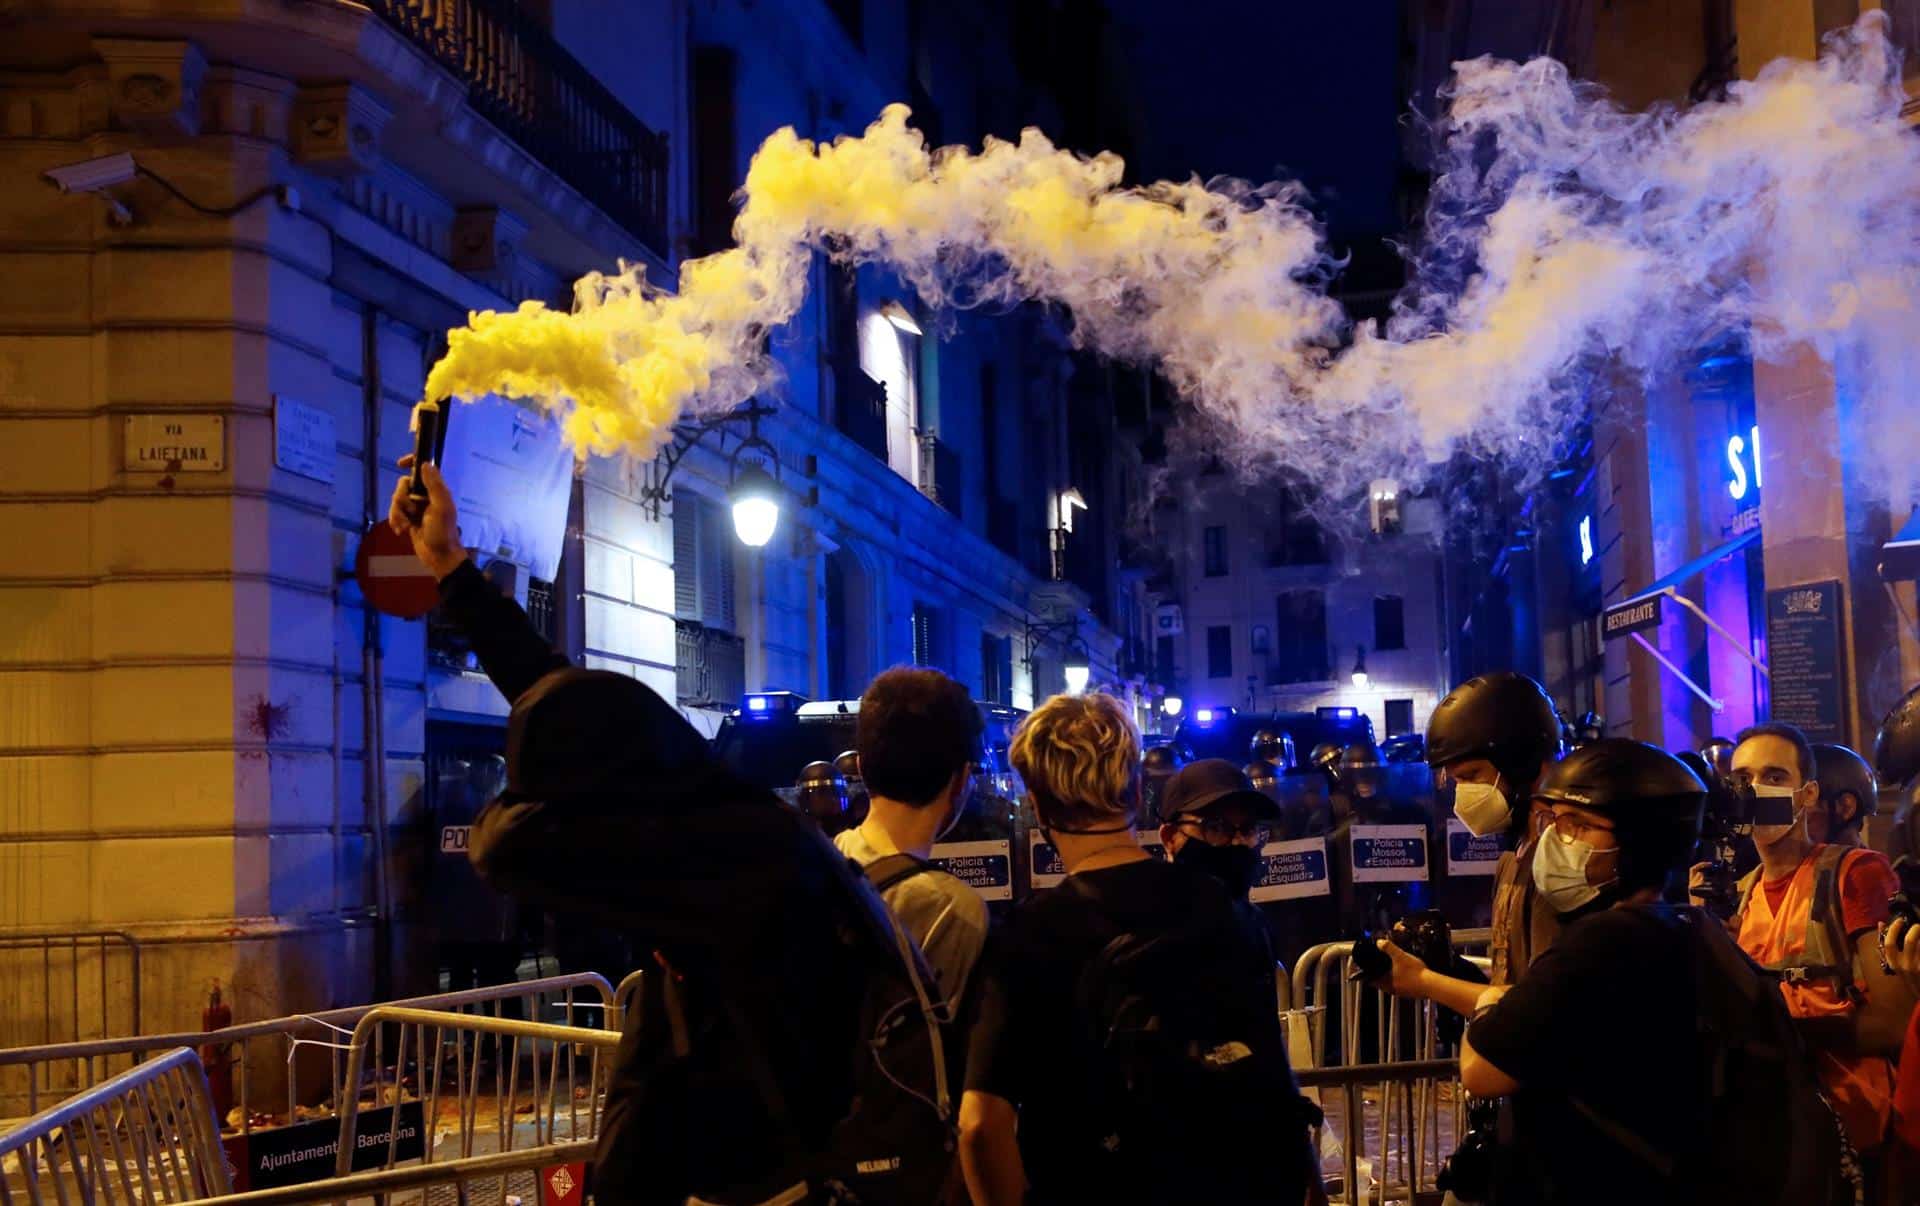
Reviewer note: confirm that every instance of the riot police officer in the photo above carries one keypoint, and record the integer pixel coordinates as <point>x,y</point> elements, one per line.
<point>1275,749</point>
<point>821,793</point>
<point>1849,797</point>
<point>1157,765</point>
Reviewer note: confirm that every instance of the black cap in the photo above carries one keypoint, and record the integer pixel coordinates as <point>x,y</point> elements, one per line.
<point>1896,754</point>
<point>1503,717</point>
<point>1209,782</point>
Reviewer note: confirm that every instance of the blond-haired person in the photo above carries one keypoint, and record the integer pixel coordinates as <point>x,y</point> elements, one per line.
<point>1127,1022</point>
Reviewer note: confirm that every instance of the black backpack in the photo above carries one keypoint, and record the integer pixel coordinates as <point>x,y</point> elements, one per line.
<point>1771,1136</point>
<point>1184,1033</point>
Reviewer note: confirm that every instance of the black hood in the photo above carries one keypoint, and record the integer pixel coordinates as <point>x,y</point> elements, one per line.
<point>594,733</point>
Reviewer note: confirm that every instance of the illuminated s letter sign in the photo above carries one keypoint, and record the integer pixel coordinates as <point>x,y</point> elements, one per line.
<point>1743,462</point>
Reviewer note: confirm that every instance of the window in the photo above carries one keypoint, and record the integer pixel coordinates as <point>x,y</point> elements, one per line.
<point>996,668</point>
<point>1262,640</point>
<point>1163,659</point>
<point>702,563</point>
<point>1300,638</point>
<point>890,354</point>
<point>1389,622</point>
<point>1214,544</point>
<point>1220,651</point>
<point>1295,538</point>
<point>1399,717</point>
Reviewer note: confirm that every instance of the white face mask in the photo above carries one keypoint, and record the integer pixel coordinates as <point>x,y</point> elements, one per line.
<point>1560,872</point>
<point>1481,807</point>
<point>1767,835</point>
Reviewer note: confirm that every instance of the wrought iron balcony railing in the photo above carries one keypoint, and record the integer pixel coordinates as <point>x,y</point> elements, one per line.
<point>711,666</point>
<point>523,81</point>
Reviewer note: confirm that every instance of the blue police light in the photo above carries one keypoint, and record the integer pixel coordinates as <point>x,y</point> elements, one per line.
<point>1203,716</point>
<point>1338,713</point>
<point>770,704</point>
<point>756,703</point>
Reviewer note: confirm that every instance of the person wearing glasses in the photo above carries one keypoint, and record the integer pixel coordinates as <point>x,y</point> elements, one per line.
<point>1215,820</point>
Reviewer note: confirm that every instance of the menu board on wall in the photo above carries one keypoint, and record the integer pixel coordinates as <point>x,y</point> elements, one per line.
<point>1806,663</point>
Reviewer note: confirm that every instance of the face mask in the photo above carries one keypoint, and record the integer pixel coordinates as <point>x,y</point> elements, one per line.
<point>1481,807</point>
<point>1773,813</point>
<point>1236,866</point>
<point>1560,872</point>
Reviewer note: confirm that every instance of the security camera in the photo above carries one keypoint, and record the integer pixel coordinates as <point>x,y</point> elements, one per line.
<point>92,175</point>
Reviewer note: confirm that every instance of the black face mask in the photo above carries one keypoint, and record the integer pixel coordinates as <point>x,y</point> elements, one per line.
<point>1236,866</point>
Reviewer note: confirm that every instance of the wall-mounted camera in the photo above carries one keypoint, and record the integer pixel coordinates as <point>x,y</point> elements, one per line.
<point>96,176</point>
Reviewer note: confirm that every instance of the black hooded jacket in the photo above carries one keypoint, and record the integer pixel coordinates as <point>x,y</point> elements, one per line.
<point>615,809</point>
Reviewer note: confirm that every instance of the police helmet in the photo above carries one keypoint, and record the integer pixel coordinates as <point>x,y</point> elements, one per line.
<point>1160,760</point>
<point>1275,748</point>
<point>821,792</point>
<point>1325,756</point>
<point>1840,771</point>
<point>1896,753</point>
<point>1360,755</point>
<point>1503,717</point>
<point>1590,728</point>
<point>1718,752</point>
<point>1652,798</point>
<point>1264,776</point>
<point>848,764</point>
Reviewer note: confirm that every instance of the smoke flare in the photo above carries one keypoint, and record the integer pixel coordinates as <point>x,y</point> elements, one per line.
<point>1588,235</point>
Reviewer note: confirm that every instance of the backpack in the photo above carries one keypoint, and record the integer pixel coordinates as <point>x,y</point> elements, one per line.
<point>1771,1136</point>
<point>1883,1000</point>
<point>1192,1059</point>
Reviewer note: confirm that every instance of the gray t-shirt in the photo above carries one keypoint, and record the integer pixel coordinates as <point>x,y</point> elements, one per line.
<point>946,917</point>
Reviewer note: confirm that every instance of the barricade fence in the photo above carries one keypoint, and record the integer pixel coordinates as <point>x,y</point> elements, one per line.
<point>1410,1121</point>
<point>68,987</point>
<point>478,1084</point>
<point>282,1071</point>
<point>145,1135</point>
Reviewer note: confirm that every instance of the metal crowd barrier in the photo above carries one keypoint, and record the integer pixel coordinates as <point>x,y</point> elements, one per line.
<point>624,997</point>
<point>1378,1160</point>
<point>502,1177</point>
<point>67,987</point>
<point>272,1046</point>
<point>146,1135</point>
<point>1412,1119</point>
<point>498,1072</point>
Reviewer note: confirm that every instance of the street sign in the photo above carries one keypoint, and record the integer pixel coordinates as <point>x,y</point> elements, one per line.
<point>1470,855</point>
<point>175,443</point>
<point>1635,615</point>
<point>1807,684</point>
<point>1389,854</point>
<point>391,577</point>
<point>986,867</point>
<point>303,439</point>
<point>1291,870</point>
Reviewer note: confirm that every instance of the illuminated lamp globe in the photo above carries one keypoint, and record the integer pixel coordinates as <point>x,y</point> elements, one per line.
<point>1077,671</point>
<point>756,506</point>
<point>1172,704</point>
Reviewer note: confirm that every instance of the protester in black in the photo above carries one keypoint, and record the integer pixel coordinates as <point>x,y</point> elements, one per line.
<point>1066,1041</point>
<point>615,809</point>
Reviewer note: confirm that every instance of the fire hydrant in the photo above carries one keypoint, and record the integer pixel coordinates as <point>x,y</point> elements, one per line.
<point>217,1058</point>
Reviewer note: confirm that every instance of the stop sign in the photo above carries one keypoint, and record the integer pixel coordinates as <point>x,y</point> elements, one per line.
<point>391,577</point>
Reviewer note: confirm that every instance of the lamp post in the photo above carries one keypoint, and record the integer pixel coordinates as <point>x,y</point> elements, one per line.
<point>1077,668</point>
<point>754,492</point>
<point>1360,666</point>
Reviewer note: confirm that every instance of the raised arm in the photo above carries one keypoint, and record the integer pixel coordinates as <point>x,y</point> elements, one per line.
<point>511,651</point>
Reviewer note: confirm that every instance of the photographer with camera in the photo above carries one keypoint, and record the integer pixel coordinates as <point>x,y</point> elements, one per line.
<point>1644,1058</point>
<point>1489,741</point>
<point>1803,913</point>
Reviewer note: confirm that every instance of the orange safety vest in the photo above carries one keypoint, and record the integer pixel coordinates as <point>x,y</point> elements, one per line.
<point>1806,942</point>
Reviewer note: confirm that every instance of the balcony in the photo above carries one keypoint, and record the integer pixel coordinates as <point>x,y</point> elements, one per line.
<point>523,81</point>
<point>940,473</point>
<point>710,665</point>
<point>860,410</point>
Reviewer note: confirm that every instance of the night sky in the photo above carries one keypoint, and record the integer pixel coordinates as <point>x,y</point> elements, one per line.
<point>1263,90</point>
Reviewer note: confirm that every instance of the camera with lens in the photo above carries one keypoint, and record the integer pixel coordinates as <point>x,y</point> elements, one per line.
<point>1726,839</point>
<point>1468,1172</point>
<point>1425,935</point>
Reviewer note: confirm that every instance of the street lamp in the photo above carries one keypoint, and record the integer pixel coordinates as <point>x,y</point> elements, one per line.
<point>1360,666</point>
<point>1172,704</point>
<point>1077,669</point>
<point>756,506</point>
